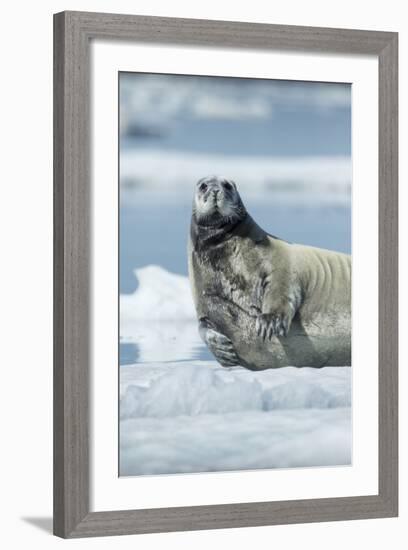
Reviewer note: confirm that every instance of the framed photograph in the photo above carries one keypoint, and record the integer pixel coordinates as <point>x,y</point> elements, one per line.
<point>225,287</point>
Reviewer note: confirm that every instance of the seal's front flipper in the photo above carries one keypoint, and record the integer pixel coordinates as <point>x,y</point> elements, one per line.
<point>275,305</point>
<point>219,345</point>
<point>273,324</point>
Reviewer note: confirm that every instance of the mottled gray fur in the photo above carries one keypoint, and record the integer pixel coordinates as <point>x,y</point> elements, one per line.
<point>262,302</point>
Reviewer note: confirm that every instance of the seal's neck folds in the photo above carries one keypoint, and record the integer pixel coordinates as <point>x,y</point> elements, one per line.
<point>203,236</point>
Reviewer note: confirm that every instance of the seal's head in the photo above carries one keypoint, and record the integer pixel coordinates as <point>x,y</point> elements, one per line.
<point>217,202</point>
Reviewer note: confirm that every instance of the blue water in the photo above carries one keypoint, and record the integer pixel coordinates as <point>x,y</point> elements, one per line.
<point>302,119</point>
<point>295,133</point>
<point>155,231</point>
<point>128,353</point>
<point>159,112</point>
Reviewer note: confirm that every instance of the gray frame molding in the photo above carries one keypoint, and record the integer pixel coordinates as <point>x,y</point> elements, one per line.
<point>72,34</point>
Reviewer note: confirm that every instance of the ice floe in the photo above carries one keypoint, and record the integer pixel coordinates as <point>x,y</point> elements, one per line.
<point>180,413</point>
<point>316,179</point>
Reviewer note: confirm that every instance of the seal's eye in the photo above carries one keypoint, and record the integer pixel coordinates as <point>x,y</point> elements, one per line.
<point>203,187</point>
<point>227,186</point>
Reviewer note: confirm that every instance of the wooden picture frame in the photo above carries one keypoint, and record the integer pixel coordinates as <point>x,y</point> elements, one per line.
<point>72,34</point>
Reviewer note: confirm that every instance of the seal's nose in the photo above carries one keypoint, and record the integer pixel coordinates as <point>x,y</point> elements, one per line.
<point>215,192</point>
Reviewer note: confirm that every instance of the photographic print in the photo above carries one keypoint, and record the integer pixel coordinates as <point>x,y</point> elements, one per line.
<point>235,274</point>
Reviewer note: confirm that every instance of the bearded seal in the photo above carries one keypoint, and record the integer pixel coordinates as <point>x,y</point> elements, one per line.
<point>262,302</point>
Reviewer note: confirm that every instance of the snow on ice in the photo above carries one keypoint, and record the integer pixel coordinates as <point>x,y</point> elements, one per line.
<point>180,414</point>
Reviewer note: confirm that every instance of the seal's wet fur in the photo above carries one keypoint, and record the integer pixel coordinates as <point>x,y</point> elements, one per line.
<point>263,302</point>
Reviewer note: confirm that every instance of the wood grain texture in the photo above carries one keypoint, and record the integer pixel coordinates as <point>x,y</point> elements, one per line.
<point>72,33</point>
<point>212,33</point>
<point>71,282</point>
<point>388,273</point>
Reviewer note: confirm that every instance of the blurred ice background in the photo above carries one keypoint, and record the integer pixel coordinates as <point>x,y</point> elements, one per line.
<point>287,145</point>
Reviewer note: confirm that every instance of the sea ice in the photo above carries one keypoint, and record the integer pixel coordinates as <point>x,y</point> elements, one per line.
<point>181,414</point>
